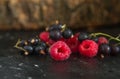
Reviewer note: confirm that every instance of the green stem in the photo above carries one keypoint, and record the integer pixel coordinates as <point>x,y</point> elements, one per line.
<point>16,45</point>
<point>107,35</point>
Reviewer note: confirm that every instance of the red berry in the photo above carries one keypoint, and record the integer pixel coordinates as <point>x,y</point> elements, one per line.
<point>60,51</point>
<point>73,43</point>
<point>62,39</point>
<point>76,35</point>
<point>44,36</point>
<point>102,40</point>
<point>50,42</point>
<point>88,48</point>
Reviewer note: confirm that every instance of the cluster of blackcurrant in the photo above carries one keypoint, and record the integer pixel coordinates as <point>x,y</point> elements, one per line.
<point>57,31</point>
<point>33,46</point>
<point>60,42</point>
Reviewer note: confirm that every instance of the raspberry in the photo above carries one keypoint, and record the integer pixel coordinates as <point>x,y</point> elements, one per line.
<point>44,36</point>
<point>62,39</point>
<point>59,51</point>
<point>73,43</point>
<point>50,42</point>
<point>76,35</point>
<point>88,48</point>
<point>102,40</point>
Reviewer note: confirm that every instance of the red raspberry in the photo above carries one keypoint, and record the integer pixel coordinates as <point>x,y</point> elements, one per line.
<point>102,40</point>
<point>60,51</point>
<point>62,39</point>
<point>50,42</point>
<point>76,35</point>
<point>73,43</point>
<point>88,48</point>
<point>44,36</point>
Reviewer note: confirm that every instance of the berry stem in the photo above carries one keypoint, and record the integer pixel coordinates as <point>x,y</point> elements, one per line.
<point>107,35</point>
<point>16,46</point>
<point>63,27</point>
<point>118,36</point>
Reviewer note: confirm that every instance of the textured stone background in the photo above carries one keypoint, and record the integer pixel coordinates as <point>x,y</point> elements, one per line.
<point>34,14</point>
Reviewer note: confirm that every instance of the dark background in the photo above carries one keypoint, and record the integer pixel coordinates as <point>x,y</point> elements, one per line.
<point>36,14</point>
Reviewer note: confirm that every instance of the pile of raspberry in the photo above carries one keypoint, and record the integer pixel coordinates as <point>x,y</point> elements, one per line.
<point>60,42</point>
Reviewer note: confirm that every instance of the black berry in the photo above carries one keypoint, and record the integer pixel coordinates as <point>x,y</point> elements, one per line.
<point>82,36</point>
<point>104,49</point>
<point>95,39</point>
<point>67,33</point>
<point>29,50</point>
<point>55,35</point>
<point>33,41</point>
<point>40,50</point>
<point>43,44</point>
<point>56,27</point>
<point>115,50</point>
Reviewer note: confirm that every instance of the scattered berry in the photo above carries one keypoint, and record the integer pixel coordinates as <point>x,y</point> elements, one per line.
<point>73,43</point>
<point>102,40</point>
<point>40,50</point>
<point>55,35</point>
<point>43,44</point>
<point>95,39</point>
<point>60,51</point>
<point>67,33</point>
<point>62,39</point>
<point>50,42</point>
<point>56,27</point>
<point>88,48</point>
<point>83,36</point>
<point>104,49</point>
<point>33,41</point>
<point>76,35</point>
<point>44,36</point>
<point>114,50</point>
<point>29,50</point>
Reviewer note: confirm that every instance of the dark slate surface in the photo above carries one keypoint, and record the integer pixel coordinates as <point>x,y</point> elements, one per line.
<point>16,66</point>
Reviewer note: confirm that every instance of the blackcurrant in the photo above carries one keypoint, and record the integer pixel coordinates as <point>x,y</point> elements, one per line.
<point>47,50</point>
<point>95,39</point>
<point>40,50</point>
<point>33,41</point>
<point>82,36</point>
<point>114,50</point>
<point>29,50</point>
<point>56,27</point>
<point>55,35</point>
<point>43,44</point>
<point>104,49</point>
<point>67,33</point>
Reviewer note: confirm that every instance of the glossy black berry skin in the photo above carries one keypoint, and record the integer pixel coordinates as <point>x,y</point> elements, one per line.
<point>95,39</point>
<point>43,44</point>
<point>39,50</point>
<point>56,27</point>
<point>115,50</point>
<point>55,35</point>
<point>67,33</point>
<point>82,36</point>
<point>28,49</point>
<point>105,49</point>
<point>33,41</point>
